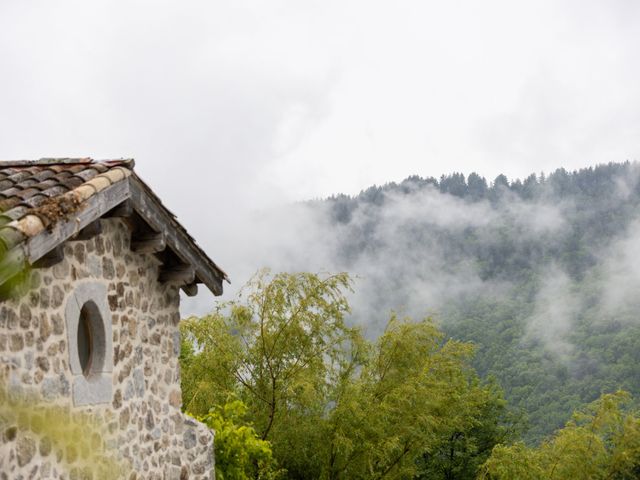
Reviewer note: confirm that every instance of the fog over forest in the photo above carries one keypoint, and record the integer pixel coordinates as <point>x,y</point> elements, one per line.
<point>541,273</point>
<point>392,240</point>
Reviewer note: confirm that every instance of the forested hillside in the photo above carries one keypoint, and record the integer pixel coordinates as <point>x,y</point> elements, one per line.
<point>542,274</point>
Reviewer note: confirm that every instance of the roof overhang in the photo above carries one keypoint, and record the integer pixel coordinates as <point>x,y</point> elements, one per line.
<point>184,262</point>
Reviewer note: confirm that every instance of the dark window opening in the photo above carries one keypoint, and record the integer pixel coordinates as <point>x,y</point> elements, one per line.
<point>85,341</point>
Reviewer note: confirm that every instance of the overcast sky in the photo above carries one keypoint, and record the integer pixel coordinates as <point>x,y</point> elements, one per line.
<point>233,106</point>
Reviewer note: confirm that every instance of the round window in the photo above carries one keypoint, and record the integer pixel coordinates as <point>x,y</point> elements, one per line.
<point>90,341</point>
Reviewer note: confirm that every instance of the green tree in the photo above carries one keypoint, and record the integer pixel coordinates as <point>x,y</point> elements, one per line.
<point>275,350</point>
<point>332,405</point>
<point>463,451</point>
<point>601,441</point>
<point>411,392</point>
<point>239,453</point>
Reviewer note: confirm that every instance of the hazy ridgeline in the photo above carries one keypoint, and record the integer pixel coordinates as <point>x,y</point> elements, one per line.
<point>542,274</point>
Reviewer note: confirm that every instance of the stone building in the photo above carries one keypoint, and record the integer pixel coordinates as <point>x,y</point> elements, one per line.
<point>94,322</point>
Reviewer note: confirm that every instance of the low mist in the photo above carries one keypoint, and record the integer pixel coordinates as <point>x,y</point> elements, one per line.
<point>412,248</point>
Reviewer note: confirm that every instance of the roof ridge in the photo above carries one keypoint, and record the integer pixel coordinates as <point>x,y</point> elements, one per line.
<point>46,161</point>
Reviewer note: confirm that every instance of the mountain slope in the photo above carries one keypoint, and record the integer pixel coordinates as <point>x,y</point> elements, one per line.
<point>542,274</point>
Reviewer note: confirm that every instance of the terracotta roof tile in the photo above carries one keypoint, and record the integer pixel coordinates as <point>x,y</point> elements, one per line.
<point>86,174</point>
<point>45,184</point>
<point>8,203</point>
<point>36,200</point>
<point>27,193</point>
<point>16,213</point>
<point>55,190</point>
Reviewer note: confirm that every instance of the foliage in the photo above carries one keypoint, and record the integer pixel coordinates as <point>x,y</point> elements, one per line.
<point>239,453</point>
<point>333,405</point>
<point>460,454</point>
<point>412,393</point>
<point>275,350</point>
<point>75,437</point>
<point>513,259</point>
<point>601,441</point>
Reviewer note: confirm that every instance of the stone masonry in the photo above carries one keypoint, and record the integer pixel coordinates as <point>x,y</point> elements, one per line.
<point>141,415</point>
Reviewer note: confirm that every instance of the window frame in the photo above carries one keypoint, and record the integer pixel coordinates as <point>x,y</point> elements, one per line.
<point>92,385</point>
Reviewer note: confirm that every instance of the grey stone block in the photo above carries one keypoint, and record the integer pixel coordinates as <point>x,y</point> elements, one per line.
<point>93,390</point>
<point>138,382</point>
<point>189,438</point>
<point>51,388</point>
<point>176,343</point>
<point>174,473</point>
<point>94,266</point>
<point>129,391</point>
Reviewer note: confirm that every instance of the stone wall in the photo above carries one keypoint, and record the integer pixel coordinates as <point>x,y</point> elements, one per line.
<point>142,419</point>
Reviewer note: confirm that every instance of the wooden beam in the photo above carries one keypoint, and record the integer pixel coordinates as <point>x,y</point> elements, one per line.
<point>179,274</point>
<point>148,243</point>
<point>191,290</point>
<point>88,232</point>
<point>124,210</point>
<point>51,258</point>
<point>93,208</point>
<point>177,239</point>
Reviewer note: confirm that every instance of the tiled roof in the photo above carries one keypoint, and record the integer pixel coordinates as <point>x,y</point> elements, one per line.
<point>33,193</point>
<point>38,195</point>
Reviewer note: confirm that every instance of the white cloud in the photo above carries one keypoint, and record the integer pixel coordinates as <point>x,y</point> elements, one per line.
<point>235,106</point>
